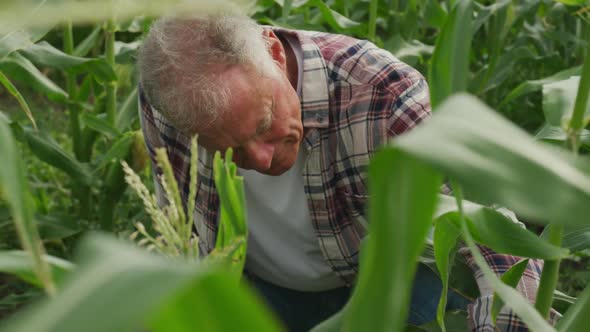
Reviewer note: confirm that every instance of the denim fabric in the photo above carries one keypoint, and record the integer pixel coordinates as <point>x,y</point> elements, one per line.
<point>300,311</point>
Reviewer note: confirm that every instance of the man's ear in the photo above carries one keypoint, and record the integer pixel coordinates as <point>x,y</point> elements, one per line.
<point>275,48</point>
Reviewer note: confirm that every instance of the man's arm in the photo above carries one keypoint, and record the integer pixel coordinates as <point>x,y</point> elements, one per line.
<point>410,108</point>
<point>479,312</point>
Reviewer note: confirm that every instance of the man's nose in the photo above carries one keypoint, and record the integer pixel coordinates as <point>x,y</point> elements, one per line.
<point>259,155</point>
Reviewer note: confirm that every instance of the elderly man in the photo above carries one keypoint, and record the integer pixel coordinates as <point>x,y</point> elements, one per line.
<point>304,113</point>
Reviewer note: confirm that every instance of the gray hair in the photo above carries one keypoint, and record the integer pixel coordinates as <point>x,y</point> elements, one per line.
<point>180,58</point>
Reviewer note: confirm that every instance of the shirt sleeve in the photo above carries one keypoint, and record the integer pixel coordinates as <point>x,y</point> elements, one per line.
<point>410,107</point>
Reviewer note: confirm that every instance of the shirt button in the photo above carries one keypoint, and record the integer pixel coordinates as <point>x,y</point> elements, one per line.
<point>319,118</point>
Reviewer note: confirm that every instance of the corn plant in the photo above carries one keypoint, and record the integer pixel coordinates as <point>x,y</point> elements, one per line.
<point>175,226</point>
<point>519,56</point>
<point>87,126</point>
<point>109,270</point>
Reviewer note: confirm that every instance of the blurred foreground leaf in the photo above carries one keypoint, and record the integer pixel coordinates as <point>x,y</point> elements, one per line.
<point>99,11</point>
<point>14,190</point>
<point>403,200</point>
<point>14,32</point>
<point>118,287</point>
<point>577,318</point>
<point>496,162</point>
<point>454,322</point>
<point>446,234</point>
<point>221,306</point>
<point>20,263</point>
<point>510,278</point>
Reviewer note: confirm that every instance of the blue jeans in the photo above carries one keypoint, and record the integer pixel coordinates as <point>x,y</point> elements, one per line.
<point>300,311</point>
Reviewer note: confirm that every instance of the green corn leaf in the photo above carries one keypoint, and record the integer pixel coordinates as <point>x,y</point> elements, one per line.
<point>136,25</point>
<point>434,14</point>
<point>232,187</point>
<point>408,51</point>
<point>496,162</point>
<point>509,295</point>
<point>499,229</point>
<point>484,13</point>
<point>462,280</point>
<point>113,190</point>
<point>131,287</point>
<point>337,21</point>
<point>16,94</point>
<point>232,224</point>
<point>57,226</point>
<point>206,302</point>
<point>449,66</point>
<point>127,115</point>
<point>14,190</point>
<point>332,324</point>
<point>19,263</point>
<point>446,234</point>
<point>16,40</point>
<point>556,134</point>
<point>86,45</point>
<point>46,55</point>
<point>193,182</point>
<point>454,322</point>
<point>503,69</point>
<point>125,53</point>
<point>404,194</point>
<point>559,99</point>
<point>576,318</point>
<point>21,69</point>
<point>49,151</point>
<point>536,85</point>
<point>118,151</point>
<point>575,237</point>
<point>97,11</point>
<point>84,90</point>
<point>573,2</point>
<point>560,296</point>
<point>100,124</point>
<point>492,229</point>
<point>17,35</point>
<point>510,278</point>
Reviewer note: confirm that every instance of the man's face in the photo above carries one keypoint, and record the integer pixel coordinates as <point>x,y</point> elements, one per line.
<point>263,126</point>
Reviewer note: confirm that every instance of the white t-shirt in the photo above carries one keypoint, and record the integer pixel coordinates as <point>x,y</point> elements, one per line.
<point>282,246</point>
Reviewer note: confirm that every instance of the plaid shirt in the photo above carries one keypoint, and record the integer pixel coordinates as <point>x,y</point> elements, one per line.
<point>355,96</point>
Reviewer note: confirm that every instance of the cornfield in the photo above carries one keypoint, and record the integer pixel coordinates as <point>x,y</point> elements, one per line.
<point>84,245</point>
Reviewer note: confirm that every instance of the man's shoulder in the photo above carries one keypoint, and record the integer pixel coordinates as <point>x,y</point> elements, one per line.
<point>361,62</point>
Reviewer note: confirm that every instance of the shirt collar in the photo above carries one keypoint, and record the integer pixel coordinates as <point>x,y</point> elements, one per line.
<point>315,95</point>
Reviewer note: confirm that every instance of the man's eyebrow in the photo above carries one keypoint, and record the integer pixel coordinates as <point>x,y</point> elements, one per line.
<point>266,122</point>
